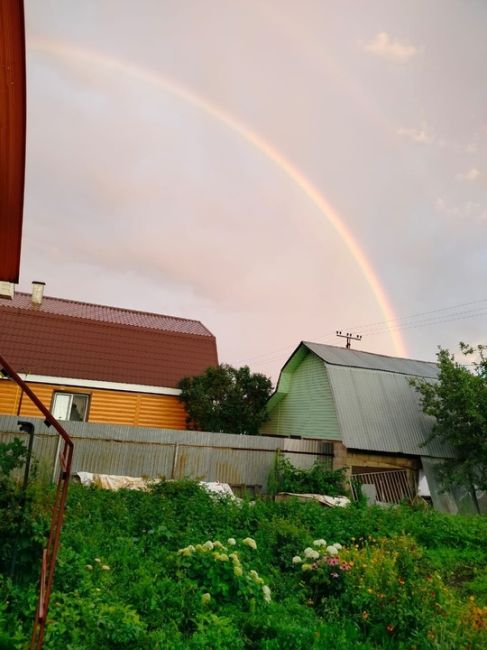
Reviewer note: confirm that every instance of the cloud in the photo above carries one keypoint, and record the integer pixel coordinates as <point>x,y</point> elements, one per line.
<point>471,210</point>
<point>397,52</point>
<point>470,176</point>
<point>421,135</point>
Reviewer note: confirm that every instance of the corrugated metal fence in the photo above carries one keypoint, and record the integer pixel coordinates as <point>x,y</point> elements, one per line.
<point>134,451</point>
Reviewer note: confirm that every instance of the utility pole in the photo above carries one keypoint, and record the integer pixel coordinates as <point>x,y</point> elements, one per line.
<point>350,337</point>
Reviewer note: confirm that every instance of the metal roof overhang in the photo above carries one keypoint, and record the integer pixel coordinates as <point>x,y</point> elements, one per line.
<point>12,136</point>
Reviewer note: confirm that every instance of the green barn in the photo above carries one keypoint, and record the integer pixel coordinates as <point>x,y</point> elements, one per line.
<point>364,403</point>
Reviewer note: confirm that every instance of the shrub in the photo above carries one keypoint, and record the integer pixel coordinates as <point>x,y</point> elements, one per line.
<point>221,573</point>
<point>22,530</point>
<point>284,477</point>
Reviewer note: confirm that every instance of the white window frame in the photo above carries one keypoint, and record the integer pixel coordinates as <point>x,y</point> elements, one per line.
<point>69,405</point>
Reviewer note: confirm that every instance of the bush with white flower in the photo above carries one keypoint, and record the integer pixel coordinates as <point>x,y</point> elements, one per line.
<point>322,569</point>
<point>221,572</point>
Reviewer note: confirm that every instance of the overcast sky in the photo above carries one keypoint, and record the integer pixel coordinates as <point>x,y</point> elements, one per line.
<point>259,165</point>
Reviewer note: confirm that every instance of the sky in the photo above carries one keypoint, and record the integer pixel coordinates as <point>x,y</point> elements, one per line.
<point>276,169</point>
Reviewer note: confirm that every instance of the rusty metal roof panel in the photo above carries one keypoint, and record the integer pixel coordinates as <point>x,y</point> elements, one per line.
<point>12,136</point>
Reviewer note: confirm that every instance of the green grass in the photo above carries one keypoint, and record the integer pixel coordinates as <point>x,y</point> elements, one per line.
<point>120,582</point>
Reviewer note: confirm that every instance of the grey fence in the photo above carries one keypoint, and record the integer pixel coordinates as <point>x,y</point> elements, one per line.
<point>240,460</point>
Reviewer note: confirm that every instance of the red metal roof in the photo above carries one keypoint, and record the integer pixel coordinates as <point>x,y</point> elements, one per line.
<point>106,314</point>
<point>12,136</point>
<point>64,338</point>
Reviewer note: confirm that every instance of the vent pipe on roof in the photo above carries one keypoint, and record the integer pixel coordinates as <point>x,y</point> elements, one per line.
<point>37,292</point>
<point>6,289</point>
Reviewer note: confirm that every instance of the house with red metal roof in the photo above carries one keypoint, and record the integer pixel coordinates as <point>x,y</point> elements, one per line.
<point>97,363</point>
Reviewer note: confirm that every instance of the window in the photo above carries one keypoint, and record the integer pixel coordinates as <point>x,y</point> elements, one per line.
<point>70,406</point>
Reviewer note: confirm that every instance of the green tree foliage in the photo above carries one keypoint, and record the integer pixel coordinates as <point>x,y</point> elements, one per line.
<point>458,402</point>
<point>223,398</point>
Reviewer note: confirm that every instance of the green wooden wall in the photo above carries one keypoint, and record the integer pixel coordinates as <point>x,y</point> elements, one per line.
<point>303,404</point>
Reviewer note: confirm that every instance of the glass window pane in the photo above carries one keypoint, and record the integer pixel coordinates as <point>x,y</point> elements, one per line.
<point>61,406</point>
<point>78,407</point>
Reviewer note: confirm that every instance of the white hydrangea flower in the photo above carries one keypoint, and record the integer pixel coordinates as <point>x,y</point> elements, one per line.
<point>319,542</point>
<point>89,567</point>
<point>208,545</point>
<point>255,577</point>
<point>306,567</point>
<point>223,557</point>
<point>297,559</point>
<point>311,554</point>
<point>105,567</point>
<point>237,570</point>
<point>248,541</point>
<point>267,594</point>
<point>338,546</point>
<point>332,550</point>
<point>205,598</point>
<point>231,541</point>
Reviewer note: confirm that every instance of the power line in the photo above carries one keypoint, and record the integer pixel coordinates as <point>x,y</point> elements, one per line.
<point>419,314</point>
<point>430,321</point>
<point>396,324</point>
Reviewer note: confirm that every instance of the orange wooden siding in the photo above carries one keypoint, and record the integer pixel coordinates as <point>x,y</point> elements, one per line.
<point>9,397</point>
<point>106,406</point>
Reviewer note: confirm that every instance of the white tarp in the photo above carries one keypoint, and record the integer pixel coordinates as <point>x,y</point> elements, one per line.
<point>331,502</point>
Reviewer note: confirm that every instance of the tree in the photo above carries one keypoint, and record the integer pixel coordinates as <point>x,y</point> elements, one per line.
<point>458,402</point>
<point>226,399</point>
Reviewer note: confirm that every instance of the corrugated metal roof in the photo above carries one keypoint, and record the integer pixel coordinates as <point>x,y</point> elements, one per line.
<point>377,408</point>
<point>107,314</point>
<point>340,356</point>
<point>105,343</point>
<point>381,411</point>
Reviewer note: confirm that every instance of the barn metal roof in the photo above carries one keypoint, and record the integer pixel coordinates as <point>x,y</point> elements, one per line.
<point>377,408</point>
<point>381,411</point>
<point>350,358</point>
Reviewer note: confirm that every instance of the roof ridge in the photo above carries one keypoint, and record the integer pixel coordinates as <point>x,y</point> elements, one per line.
<point>375,354</point>
<point>118,309</point>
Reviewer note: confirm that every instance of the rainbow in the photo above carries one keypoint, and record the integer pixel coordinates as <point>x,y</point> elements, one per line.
<point>65,51</point>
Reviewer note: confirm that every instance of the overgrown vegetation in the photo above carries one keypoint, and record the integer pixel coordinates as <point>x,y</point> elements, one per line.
<point>174,568</point>
<point>21,520</point>
<point>318,479</point>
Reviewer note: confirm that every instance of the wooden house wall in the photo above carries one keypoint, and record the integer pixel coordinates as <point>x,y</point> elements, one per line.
<point>105,406</point>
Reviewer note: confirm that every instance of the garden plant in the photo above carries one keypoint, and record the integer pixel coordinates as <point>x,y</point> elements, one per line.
<point>175,568</point>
